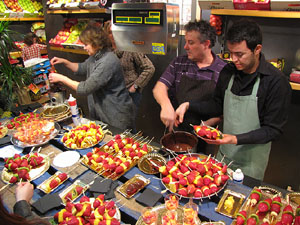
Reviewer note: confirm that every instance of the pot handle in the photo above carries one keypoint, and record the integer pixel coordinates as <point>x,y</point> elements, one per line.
<point>164,152</point>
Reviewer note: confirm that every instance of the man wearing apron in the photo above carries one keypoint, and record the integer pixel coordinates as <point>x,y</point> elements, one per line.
<point>189,77</point>
<point>253,97</point>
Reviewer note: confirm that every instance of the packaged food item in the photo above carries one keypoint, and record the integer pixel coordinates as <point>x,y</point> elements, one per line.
<point>74,110</point>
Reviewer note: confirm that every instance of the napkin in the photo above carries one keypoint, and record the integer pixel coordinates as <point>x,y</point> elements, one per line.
<point>4,141</point>
<point>110,193</point>
<point>47,202</point>
<point>101,185</point>
<point>149,197</point>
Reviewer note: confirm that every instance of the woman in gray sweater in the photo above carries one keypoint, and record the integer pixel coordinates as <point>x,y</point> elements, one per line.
<point>108,98</point>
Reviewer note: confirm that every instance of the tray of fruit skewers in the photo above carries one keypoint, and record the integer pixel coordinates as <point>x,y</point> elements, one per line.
<point>194,176</point>
<point>72,192</point>
<point>25,168</point>
<point>117,156</point>
<point>36,132</point>
<point>170,213</point>
<point>53,182</point>
<point>207,133</point>
<point>84,136</point>
<point>89,211</point>
<point>267,206</point>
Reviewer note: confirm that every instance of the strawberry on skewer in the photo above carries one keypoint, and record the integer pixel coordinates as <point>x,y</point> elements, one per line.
<point>275,207</point>
<point>255,197</point>
<point>241,218</point>
<point>287,215</point>
<point>253,219</point>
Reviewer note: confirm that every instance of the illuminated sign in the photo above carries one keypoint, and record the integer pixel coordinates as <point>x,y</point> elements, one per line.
<point>147,17</point>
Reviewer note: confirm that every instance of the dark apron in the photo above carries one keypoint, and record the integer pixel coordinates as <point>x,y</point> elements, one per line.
<point>192,89</point>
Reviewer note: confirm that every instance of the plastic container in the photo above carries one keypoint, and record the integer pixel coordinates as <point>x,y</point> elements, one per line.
<point>251,5</point>
<point>238,176</point>
<point>74,110</point>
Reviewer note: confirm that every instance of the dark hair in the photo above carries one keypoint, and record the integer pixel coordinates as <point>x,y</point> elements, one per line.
<point>245,30</point>
<point>95,35</point>
<point>206,31</point>
<point>14,219</point>
<point>29,39</point>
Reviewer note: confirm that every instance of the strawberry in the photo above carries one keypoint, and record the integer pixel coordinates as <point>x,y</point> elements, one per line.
<point>13,179</point>
<point>70,207</point>
<point>109,205</point>
<point>241,218</point>
<point>54,183</point>
<point>252,220</point>
<point>264,206</point>
<point>183,181</point>
<point>205,190</point>
<point>213,187</point>
<point>183,192</point>
<point>112,212</point>
<point>114,221</point>
<point>276,206</point>
<point>84,199</point>
<point>191,188</point>
<point>62,176</point>
<point>101,209</point>
<point>287,218</point>
<point>166,180</point>
<point>255,196</point>
<point>78,190</point>
<point>297,220</point>
<point>198,193</point>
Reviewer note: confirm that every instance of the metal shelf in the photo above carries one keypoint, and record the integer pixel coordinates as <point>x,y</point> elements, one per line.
<point>256,13</point>
<point>295,86</point>
<point>23,19</point>
<point>77,11</point>
<point>76,51</point>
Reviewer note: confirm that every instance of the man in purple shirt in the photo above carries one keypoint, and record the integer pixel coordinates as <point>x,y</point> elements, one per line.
<point>189,77</point>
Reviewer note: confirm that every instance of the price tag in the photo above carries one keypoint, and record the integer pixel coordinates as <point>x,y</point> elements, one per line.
<point>72,5</point>
<point>91,5</point>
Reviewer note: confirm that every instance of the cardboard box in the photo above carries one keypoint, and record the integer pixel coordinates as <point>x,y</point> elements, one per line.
<point>210,4</point>
<point>251,5</point>
<point>285,5</point>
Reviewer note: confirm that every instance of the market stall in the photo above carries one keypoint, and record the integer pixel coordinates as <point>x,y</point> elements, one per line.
<point>71,166</point>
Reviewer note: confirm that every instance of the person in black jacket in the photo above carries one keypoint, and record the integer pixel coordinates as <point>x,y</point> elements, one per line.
<point>253,96</point>
<point>22,214</point>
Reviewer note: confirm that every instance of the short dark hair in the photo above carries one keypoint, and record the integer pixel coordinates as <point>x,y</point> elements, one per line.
<point>95,35</point>
<point>29,39</point>
<point>206,31</point>
<point>245,30</point>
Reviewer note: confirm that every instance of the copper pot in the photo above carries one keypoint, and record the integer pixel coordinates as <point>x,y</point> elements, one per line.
<point>179,142</point>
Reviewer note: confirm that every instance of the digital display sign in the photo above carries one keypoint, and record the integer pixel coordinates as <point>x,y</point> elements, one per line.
<point>137,17</point>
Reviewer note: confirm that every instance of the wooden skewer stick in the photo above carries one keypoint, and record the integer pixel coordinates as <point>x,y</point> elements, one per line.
<point>229,163</point>
<point>5,186</point>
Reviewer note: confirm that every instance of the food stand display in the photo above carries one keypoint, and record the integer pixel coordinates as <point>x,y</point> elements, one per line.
<point>130,208</point>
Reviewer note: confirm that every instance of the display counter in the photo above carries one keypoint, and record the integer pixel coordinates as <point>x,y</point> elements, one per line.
<point>129,208</point>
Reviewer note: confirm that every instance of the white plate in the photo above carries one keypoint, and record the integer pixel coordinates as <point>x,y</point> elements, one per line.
<point>9,151</point>
<point>66,159</point>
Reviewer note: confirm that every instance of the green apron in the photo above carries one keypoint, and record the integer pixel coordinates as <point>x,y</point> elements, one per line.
<point>241,116</point>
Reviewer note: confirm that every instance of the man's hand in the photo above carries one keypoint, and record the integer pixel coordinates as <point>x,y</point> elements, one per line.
<point>132,89</point>
<point>227,139</point>
<point>57,60</point>
<point>24,191</point>
<point>180,111</point>
<point>56,77</point>
<point>167,116</point>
